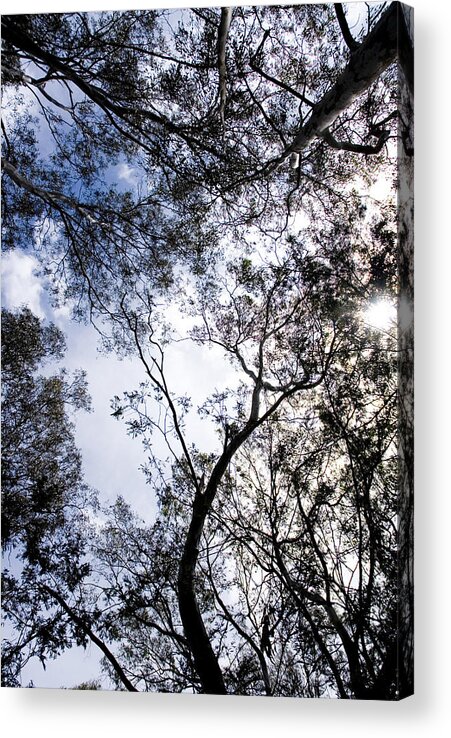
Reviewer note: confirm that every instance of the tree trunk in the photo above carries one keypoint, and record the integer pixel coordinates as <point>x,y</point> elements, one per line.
<point>405,369</point>
<point>376,52</point>
<point>205,660</point>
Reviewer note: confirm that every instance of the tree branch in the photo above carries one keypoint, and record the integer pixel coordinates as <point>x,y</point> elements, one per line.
<point>279,83</point>
<point>95,639</point>
<point>224,25</point>
<point>350,41</point>
<point>368,150</point>
<point>205,660</point>
<point>241,631</point>
<point>20,39</point>
<point>376,52</point>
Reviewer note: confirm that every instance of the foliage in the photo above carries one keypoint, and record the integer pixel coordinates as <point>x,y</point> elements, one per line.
<point>43,493</point>
<point>246,225</point>
<point>41,468</point>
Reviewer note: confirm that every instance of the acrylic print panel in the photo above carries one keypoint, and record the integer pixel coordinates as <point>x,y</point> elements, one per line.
<point>220,200</point>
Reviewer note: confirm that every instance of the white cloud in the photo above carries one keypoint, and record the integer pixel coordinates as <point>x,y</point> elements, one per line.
<point>111,459</point>
<point>21,285</point>
<point>125,172</point>
<point>62,314</point>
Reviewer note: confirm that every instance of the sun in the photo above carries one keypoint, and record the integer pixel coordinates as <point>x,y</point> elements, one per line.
<point>380,314</point>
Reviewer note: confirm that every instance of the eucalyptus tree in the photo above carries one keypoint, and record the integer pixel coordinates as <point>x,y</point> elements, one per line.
<point>160,596</point>
<point>40,464</point>
<point>250,139</point>
<point>308,525</point>
<point>196,105</point>
<point>312,511</point>
<point>43,493</point>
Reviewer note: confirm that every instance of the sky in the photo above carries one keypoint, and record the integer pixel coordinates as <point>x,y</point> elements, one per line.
<point>84,713</point>
<point>111,459</point>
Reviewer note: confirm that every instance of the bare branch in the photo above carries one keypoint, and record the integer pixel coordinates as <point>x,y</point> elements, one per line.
<point>347,35</point>
<point>224,25</point>
<point>367,150</point>
<point>87,630</point>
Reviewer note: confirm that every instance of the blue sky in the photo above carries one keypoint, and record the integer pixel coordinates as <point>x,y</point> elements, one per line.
<point>84,713</point>
<point>111,459</point>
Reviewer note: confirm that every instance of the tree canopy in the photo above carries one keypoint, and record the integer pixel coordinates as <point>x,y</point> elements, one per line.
<point>224,180</point>
<point>43,493</point>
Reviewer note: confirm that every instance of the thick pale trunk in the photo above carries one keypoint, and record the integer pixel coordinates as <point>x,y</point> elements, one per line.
<point>226,18</point>
<point>372,57</point>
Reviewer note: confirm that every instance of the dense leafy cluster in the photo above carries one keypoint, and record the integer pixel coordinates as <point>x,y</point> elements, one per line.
<point>44,497</point>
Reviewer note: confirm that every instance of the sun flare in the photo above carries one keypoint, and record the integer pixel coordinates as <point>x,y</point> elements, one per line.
<point>380,314</point>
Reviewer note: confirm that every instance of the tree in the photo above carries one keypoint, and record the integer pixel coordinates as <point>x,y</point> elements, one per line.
<point>314,509</point>
<point>43,493</point>
<point>41,468</point>
<point>251,139</point>
<point>193,165</point>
